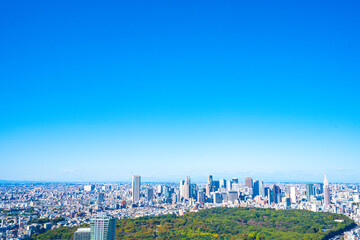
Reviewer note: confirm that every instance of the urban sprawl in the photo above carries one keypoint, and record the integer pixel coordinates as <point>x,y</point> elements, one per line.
<point>98,205</point>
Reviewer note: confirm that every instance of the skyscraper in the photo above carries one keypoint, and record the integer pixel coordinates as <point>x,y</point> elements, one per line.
<point>215,186</point>
<point>261,188</point>
<point>235,180</point>
<point>309,191</point>
<point>201,196</point>
<point>277,191</point>
<point>102,228</point>
<point>101,197</point>
<point>185,188</point>
<point>149,194</point>
<point>271,195</point>
<point>209,185</point>
<point>136,181</point>
<point>321,188</point>
<point>168,194</point>
<point>293,194</point>
<point>222,183</point>
<point>249,182</point>
<point>193,191</point>
<point>274,194</point>
<point>256,188</point>
<point>326,192</point>
<point>232,196</point>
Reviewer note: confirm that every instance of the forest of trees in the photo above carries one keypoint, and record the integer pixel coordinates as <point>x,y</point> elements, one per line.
<point>227,223</point>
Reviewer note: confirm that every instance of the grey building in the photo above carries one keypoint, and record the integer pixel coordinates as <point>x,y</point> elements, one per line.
<point>209,185</point>
<point>232,196</point>
<point>136,181</point>
<point>326,192</point>
<point>82,234</point>
<point>149,192</point>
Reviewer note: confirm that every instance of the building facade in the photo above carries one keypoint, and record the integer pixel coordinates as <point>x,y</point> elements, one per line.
<point>136,181</point>
<point>102,228</point>
<point>82,234</point>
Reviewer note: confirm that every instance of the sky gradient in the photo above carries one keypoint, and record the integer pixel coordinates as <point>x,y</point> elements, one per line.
<point>96,91</point>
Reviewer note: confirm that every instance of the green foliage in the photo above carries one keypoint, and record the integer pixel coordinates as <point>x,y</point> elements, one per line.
<point>46,220</point>
<point>227,224</point>
<point>61,233</point>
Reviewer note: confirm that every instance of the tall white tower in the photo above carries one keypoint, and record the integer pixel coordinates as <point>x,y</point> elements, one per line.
<point>326,192</point>
<point>136,181</point>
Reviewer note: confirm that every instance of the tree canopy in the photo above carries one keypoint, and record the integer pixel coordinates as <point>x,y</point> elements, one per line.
<point>228,224</point>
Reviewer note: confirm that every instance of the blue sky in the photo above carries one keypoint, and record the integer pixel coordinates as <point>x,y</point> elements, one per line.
<point>96,91</point>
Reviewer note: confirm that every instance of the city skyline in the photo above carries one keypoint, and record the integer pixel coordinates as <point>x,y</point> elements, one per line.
<point>97,92</point>
<point>96,209</point>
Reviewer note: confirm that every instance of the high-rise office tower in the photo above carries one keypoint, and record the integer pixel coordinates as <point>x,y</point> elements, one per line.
<point>101,198</point>
<point>193,191</point>
<point>261,188</point>
<point>321,188</point>
<point>216,185</point>
<point>182,183</point>
<point>149,192</point>
<point>82,234</point>
<point>229,185</point>
<point>274,194</point>
<point>136,181</point>
<point>287,191</point>
<point>232,196</point>
<point>168,194</point>
<point>102,228</point>
<point>249,182</point>
<point>292,194</point>
<point>222,183</point>
<point>309,191</point>
<point>217,197</point>
<point>235,180</point>
<point>277,191</point>
<point>185,188</point>
<point>271,195</point>
<point>256,188</point>
<point>209,185</point>
<point>287,202</point>
<point>326,192</point>
<point>201,196</point>
<point>266,190</point>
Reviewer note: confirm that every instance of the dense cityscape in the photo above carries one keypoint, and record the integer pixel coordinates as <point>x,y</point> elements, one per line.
<point>29,208</point>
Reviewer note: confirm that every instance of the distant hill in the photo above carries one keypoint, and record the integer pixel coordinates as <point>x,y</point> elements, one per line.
<point>228,223</point>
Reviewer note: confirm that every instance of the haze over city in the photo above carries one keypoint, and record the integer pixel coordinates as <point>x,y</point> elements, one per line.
<point>99,92</point>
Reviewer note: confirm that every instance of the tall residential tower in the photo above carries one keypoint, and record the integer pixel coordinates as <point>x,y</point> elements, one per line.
<point>136,181</point>
<point>326,192</point>
<point>102,228</point>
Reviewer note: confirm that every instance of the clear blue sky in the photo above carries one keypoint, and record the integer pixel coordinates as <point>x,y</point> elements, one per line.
<point>98,90</point>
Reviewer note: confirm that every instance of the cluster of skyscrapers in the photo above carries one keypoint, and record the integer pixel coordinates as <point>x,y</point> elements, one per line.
<point>84,204</point>
<point>216,191</point>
